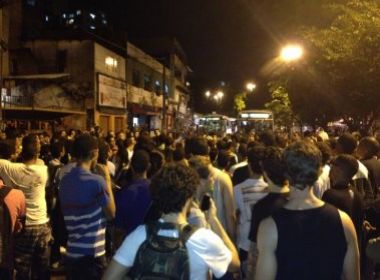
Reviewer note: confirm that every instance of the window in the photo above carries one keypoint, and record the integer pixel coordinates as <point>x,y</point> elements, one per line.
<point>111,63</point>
<point>136,78</point>
<point>147,82</point>
<point>157,87</point>
<point>166,89</point>
<point>31,2</point>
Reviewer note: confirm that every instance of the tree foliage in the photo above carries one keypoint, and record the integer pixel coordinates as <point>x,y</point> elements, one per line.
<point>240,101</point>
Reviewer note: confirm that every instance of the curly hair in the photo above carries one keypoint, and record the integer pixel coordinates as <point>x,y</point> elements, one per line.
<point>303,164</point>
<point>172,186</point>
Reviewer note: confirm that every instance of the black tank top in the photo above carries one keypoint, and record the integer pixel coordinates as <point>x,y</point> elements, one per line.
<point>311,244</point>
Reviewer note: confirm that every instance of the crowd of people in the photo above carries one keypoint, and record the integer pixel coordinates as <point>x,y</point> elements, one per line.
<point>190,206</point>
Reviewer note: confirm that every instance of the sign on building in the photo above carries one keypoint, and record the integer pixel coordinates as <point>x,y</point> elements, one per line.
<point>112,92</point>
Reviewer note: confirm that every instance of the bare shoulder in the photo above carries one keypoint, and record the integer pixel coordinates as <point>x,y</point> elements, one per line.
<point>267,235</point>
<point>348,226</point>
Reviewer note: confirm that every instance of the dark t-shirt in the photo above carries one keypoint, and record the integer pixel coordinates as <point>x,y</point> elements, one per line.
<point>240,175</point>
<point>351,203</point>
<point>373,166</point>
<point>263,209</point>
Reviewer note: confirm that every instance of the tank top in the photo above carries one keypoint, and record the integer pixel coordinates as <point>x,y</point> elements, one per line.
<point>311,244</point>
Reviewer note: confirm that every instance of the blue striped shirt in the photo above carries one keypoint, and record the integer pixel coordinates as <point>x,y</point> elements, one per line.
<point>82,196</point>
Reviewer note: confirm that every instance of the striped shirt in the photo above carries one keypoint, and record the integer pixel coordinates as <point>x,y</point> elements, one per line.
<point>82,195</point>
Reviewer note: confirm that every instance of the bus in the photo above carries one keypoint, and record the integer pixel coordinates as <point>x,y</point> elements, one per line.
<point>255,120</point>
<point>216,123</point>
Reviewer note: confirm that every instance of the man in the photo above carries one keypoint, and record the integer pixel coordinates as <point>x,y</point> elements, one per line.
<point>323,182</point>
<point>133,201</point>
<point>86,201</point>
<point>324,247</point>
<point>247,194</point>
<point>32,244</point>
<point>14,201</point>
<point>220,188</point>
<point>172,190</point>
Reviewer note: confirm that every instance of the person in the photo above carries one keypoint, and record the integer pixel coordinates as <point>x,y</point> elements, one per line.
<point>307,238</point>
<point>14,201</point>
<point>221,188</point>
<point>30,176</point>
<point>323,182</point>
<point>133,201</point>
<point>246,195</point>
<point>86,202</point>
<point>173,189</point>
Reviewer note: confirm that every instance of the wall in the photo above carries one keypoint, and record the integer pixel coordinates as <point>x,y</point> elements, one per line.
<point>101,53</point>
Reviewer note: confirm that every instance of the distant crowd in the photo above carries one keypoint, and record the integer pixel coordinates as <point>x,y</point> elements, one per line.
<point>143,205</point>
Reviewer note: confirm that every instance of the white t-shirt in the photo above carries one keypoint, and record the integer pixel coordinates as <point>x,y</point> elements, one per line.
<point>323,182</point>
<point>247,194</point>
<point>31,180</point>
<point>205,249</point>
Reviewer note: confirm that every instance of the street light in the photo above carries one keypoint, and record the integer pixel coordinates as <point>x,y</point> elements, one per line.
<point>291,53</point>
<point>250,86</point>
<point>220,94</point>
<point>208,94</point>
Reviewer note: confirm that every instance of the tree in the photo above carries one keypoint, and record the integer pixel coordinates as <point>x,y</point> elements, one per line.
<point>240,101</point>
<point>280,105</point>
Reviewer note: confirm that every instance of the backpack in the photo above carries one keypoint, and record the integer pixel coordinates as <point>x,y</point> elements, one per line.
<point>51,191</point>
<point>5,227</point>
<point>162,257</point>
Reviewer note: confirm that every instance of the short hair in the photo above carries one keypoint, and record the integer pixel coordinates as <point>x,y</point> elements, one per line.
<point>347,143</point>
<point>140,161</point>
<point>267,138</point>
<point>157,160</point>
<point>199,147</point>
<point>225,159</point>
<point>273,165</point>
<point>83,146</point>
<point>347,164</point>
<point>172,186</point>
<point>243,150</point>
<point>6,149</point>
<point>371,146</point>
<point>326,152</point>
<point>255,156</point>
<point>104,148</point>
<point>303,164</point>
<point>57,148</point>
<point>179,154</point>
<point>30,147</point>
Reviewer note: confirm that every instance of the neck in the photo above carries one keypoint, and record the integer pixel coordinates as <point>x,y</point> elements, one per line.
<point>140,176</point>
<point>85,165</point>
<point>256,176</point>
<point>277,189</point>
<point>175,218</point>
<point>31,161</point>
<point>303,199</point>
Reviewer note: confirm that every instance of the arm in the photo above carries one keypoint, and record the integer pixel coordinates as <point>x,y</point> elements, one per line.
<point>267,237</point>
<point>115,271</point>
<point>228,198</point>
<point>219,230</point>
<point>351,259</point>
<point>110,208</point>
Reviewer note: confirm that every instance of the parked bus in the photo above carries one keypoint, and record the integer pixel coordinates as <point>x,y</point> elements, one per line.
<point>215,123</point>
<point>255,120</point>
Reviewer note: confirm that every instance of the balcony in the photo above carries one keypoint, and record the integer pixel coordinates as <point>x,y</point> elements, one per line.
<point>15,102</point>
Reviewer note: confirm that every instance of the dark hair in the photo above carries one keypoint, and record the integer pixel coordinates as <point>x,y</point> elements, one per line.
<point>225,159</point>
<point>371,146</point>
<point>326,152</point>
<point>104,148</point>
<point>347,164</point>
<point>6,150</point>
<point>303,164</point>
<point>179,154</point>
<point>57,148</point>
<point>243,150</point>
<point>157,160</point>
<point>199,147</point>
<point>30,147</point>
<point>140,161</point>
<point>83,147</point>
<point>173,185</point>
<point>347,143</point>
<point>267,138</point>
<point>255,156</point>
<point>274,166</point>
<point>201,165</point>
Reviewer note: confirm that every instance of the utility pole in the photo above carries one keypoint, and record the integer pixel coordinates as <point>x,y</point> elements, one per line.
<point>164,98</point>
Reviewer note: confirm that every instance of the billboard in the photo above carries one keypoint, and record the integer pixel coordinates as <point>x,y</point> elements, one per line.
<point>112,92</point>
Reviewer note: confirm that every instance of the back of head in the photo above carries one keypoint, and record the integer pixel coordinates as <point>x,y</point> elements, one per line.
<point>368,147</point>
<point>255,156</point>
<point>157,160</point>
<point>140,161</point>
<point>30,147</point>
<point>6,150</point>
<point>179,154</point>
<point>104,149</point>
<point>267,138</point>
<point>172,186</point>
<point>225,159</point>
<point>201,165</point>
<point>199,147</point>
<point>347,144</point>
<point>84,147</point>
<point>57,148</point>
<point>303,164</point>
<point>326,151</point>
<point>274,166</point>
<point>347,165</point>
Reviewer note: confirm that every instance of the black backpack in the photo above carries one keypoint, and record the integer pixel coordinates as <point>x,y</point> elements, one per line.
<point>5,227</point>
<point>161,257</point>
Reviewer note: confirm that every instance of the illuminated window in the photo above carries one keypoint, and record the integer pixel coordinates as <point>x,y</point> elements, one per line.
<point>111,63</point>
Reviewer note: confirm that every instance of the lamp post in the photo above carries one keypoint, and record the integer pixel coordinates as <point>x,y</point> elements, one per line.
<point>217,96</point>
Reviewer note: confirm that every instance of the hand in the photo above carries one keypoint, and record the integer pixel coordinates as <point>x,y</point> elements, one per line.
<point>212,212</point>
<point>368,227</point>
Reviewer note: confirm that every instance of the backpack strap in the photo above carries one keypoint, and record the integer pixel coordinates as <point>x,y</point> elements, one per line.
<point>4,192</point>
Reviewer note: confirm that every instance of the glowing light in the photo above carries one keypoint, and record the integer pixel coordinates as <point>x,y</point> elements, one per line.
<point>291,53</point>
<point>250,86</point>
<point>208,94</point>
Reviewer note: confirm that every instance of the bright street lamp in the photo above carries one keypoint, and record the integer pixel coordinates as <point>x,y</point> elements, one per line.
<point>291,53</point>
<point>208,94</point>
<point>250,86</point>
<point>220,94</point>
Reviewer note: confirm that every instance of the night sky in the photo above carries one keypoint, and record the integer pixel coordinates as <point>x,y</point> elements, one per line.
<point>225,40</point>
